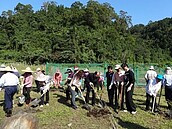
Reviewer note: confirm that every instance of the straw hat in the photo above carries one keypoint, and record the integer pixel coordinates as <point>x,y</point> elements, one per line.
<point>28,69</point>
<point>151,68</point>
<point>8,69</point>
<point>117,67</point>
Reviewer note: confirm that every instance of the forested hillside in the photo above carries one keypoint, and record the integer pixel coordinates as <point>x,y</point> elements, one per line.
<point>91,33</point>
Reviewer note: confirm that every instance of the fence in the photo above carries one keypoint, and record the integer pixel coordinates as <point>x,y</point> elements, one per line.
<point>138,69</point>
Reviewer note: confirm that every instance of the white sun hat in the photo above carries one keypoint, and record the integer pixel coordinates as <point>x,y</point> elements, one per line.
<point>117,67</point>
<point>151,68</point>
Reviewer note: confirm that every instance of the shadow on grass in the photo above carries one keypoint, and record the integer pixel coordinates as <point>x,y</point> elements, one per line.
<point>62,100</point>
<point>137,94</point>
<point>129,125</point>
<point>1,103</point>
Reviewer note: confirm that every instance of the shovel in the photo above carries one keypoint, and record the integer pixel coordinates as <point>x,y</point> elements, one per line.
<point>101,104</point>
<point>86,106</point>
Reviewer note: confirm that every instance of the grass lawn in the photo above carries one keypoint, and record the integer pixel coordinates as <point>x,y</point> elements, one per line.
<point>59,114</point>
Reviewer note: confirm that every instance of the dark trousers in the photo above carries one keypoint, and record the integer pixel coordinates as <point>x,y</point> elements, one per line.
<point>111,95</point>
<point>37,86</point>
<point>26,93</point>
<point>68,93</point>
<point>8,96</point>
<point>87,97</point>
<point>168,95</point>
<point>148,98</point>
<point>46,96</point>
<point>129,100</point>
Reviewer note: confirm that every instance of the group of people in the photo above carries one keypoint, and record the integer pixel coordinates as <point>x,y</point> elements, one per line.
<point>120,86</point>
<point>155,82</point>
<point>92,83</point>
<point>12,81</point>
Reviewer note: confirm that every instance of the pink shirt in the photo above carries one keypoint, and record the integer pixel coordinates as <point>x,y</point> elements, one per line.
<point>28,80</point>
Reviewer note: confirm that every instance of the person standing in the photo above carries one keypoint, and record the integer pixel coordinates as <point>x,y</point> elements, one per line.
<point>9,82</point>
<point>167,82</point>
<point>44,82</point>
<point>118,82</point>
<point>152,89</point>
<point>57,78</point>
<point>129,84</point>
<point>37,73</point>
<point>150,74</point>
<point>110,87</point>
<point>27,84</point>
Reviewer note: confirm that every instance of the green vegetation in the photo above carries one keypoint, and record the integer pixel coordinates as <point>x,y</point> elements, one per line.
<point>81,34</point>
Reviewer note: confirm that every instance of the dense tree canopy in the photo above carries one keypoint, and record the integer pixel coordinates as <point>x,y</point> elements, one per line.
<point>81,34</point>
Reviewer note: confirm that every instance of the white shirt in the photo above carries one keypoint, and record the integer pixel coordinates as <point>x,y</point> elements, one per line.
<point>153,87</point>
<point>150,74</point>
<point>9,79</point>
<point>167,81</point>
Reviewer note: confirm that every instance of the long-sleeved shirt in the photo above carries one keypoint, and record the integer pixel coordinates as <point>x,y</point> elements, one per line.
<point>28,80</point>
<point>109,76</point>
<point>167,81</point>
<point>91,78</point>
<point>150,74</point>
<point>9,79</point>
<point>129,78</point>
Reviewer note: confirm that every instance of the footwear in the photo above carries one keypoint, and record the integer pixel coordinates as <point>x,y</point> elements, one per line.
<point>8,113</point>
<point>147,109</point>
<point>41,106</point>
<point>47,104</point>
<point>125,111</point>
<point>74,107</point>
<point>133,112</point>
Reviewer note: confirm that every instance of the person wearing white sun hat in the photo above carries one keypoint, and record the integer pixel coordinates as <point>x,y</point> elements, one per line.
<point>9,82</point>
<point>27,84</point>
<point>118,83</point>
<point>167,82</point>
<point>150,74</point>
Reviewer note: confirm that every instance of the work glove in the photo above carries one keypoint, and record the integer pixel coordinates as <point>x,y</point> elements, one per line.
<point>128,89</point>
<point>110,87</point>
<point>91,84</point>
<point>41,88</point>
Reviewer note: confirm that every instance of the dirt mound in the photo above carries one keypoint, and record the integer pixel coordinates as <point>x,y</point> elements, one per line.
<point>98,112</point>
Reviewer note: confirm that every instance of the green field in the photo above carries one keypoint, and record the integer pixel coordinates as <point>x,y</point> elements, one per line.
<point>59,114</point>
